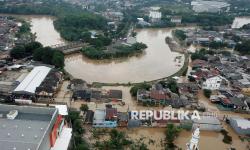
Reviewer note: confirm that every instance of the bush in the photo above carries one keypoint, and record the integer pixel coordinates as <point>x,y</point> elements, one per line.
<point>180,34</point>
<point>244,47</point>
<point>199,54</point>
<point>226,139</point>
<point>134,89</point>
<point>49,56</point>
<point>207,93</point>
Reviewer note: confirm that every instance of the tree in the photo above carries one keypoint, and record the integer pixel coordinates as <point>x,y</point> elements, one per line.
<point>172,85</point>
<point>207,93</point>
<point>84,107</point>
<point>18,52</point>
<point>77,126</point>
<point>117,141</point>
<point>31,47</point>
<point>180,34</point>
<point>134,89</point>
<point>38,53</point>
<point>171,133</point>
<point>82,147</point>
<point>200,54</point>
<point>58,59</point>
<point>47,55</point>
<point>244,47</point>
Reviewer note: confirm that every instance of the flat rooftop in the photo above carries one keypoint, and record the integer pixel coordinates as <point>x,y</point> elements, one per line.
<point>27,130</point>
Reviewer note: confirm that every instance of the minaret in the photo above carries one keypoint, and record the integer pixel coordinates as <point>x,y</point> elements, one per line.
<point>193,144</point>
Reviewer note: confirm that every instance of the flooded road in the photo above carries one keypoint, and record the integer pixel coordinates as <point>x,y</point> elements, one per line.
<point>240,22</point>
<point>212,140</point>
<point>157,62</point>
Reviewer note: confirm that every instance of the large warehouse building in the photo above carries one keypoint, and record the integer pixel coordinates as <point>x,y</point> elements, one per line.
<point>33,80</point>
<point>42,81</point>
<point>32,128</point>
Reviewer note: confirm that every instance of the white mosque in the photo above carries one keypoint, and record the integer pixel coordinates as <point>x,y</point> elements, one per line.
<point>193,144</point>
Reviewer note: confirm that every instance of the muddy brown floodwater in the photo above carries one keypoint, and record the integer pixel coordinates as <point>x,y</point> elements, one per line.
<point>157,62</point>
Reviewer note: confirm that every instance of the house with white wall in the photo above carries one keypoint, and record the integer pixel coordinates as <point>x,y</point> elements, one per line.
<point>212,83</point>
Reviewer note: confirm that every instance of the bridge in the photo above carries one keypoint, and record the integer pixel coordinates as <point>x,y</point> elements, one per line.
<point>69,48</point>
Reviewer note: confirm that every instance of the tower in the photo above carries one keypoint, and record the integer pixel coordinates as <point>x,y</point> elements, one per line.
<point>193,144</point>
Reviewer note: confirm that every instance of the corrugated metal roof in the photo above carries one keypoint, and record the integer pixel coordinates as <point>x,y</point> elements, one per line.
<point>33,80</point>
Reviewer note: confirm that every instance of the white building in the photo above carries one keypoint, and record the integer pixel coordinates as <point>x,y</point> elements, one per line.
<point>209,6</point>
<point>176,19</point>
<point>155,16</point>
<point>212,83</point>
<point>33,80</point>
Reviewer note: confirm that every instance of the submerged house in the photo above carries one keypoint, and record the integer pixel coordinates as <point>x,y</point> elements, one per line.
<point>100,120</point>
<point>240,125</point>
<point>207,123</point>
<point>238,103</point>
<point>212,83</point>
<point>115,95</point>
<point>122,119</point>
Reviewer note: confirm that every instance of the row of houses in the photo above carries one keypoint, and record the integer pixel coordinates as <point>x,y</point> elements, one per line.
<point>226,75</point>
<point>111,118</point>
<point>8,29</point>
<point>205,37</point>
<point>158,95</point>
<point>81,91</point>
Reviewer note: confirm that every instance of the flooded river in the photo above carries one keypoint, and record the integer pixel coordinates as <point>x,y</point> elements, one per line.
<point>157,62</point>
<point>44,29</point>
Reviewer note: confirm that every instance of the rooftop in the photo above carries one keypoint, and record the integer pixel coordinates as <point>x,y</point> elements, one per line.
<point>242,123</point>
<point>33,80</point>
<point>27,130</point>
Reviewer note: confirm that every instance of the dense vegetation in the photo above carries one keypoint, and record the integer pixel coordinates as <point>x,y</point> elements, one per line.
<point>72,21</point>
<point>208,19</point>
<point>50,56</point>
<point>46,55</point>
<point>246,26</point>
<point>119,51</point>
<point>227,138</point>
<point>23,29</point>
<point>207,93</point>
<point>172,85</point>
<point>180,34</point>
<point>119,141</point>
<point>47,7</point>
<point>78,142</point>
<point>134,89</point>
<point>244,47</point>
<point>171,134</point>
<point>23,51</point>
<point>200,54</point>
<point>72,27</point>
